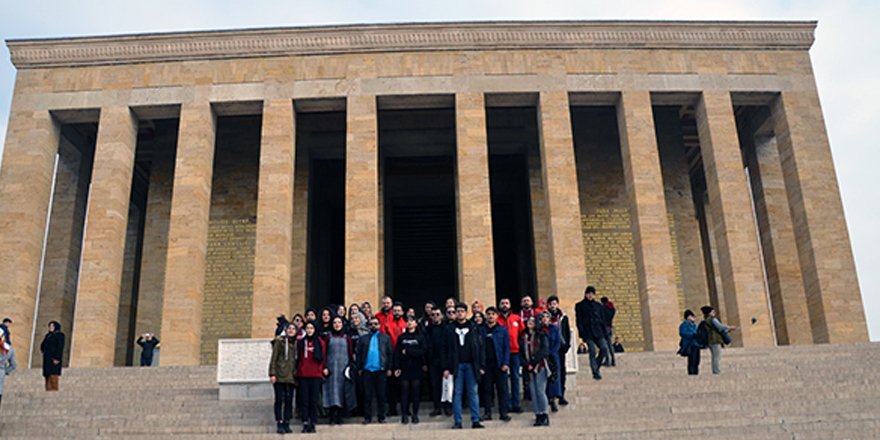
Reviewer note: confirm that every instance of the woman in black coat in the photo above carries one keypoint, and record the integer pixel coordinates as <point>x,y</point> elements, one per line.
<point>52,348</point>
<point>410,365</point>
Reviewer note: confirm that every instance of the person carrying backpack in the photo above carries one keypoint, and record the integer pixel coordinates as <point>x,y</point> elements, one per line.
<point>689,346</point>
<point>716,335</point>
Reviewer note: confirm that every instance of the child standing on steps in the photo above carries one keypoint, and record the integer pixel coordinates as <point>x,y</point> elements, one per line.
<point>282,375</point>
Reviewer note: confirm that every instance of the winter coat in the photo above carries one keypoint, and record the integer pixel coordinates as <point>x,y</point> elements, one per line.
<point>7,366</point>
<point>437,336</point>
<point>498,339</point>
<point>534,350</point>
<point>148,346</point>
<point>394,328</point>
<point>688,332</point>
<point>560,320</point>
<point>409,356</point>
<point>52,348</point>
<point>515,327</point>
<point>715,330</point>
<point>473,342</point>
<point>310,355</point>
<point>385,352</point>
<point>282,365</point>
<point>590,317</point>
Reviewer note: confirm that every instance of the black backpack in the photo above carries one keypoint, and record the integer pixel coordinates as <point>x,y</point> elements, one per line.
<point>703,333</point>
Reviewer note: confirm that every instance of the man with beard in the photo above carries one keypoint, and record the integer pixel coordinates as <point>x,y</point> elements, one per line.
<point>385,312</point>
<point>514,325</point>
<point>394,326</point>
<point>560,320</point>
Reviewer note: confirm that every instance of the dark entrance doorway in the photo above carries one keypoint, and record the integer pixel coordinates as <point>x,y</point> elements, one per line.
<point>418,196</point>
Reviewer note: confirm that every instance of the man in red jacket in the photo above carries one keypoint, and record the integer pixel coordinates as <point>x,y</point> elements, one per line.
<point>514,325</point>
<point>385,312</point>
<point>394,326</point>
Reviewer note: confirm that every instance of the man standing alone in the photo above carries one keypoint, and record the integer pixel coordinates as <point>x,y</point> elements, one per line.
<point>590,317</point>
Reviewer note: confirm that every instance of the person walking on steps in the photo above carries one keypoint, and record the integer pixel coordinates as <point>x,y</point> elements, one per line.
<point>591,323</point>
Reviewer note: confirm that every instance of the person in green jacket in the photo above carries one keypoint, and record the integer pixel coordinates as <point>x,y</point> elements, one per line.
<point>716,335</point>
<point>282,375</point>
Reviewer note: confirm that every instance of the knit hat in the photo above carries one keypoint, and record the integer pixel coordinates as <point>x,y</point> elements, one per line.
<point>707,309</point>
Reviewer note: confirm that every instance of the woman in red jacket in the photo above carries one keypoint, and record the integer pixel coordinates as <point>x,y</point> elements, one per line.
<point>310,370</point>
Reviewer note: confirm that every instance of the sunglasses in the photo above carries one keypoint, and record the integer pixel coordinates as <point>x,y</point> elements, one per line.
<point>374,324</point>
<point>451,312</point>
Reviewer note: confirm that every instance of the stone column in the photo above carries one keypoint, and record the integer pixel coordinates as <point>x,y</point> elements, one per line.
<point>361,201</point>
<point>25,189</point>
<point>561,194</point>
<point>835,304</point>
<point>274,218</point>
<point>298,264</point>
<point>476,274</point>
<point>736,238</point>
<point>97,299</point>
<point>784,279</point>
<point>188,237</point>
<point>650,226</point>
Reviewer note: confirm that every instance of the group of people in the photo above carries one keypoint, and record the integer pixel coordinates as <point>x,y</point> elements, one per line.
<point>357,362</point>
<point>52,349</point>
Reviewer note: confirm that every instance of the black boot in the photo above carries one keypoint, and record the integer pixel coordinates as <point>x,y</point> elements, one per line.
<point>553,406</point>
<point>538,420</point>
<point>287,429</point>
<point>415,420</point>
<point>545,420</point>
<point>487,414</point>
<point>279,427</point>
<point>562,401</point>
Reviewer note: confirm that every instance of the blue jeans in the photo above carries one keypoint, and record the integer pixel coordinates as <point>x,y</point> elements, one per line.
<point>514,380</point>
<point>465,377</point>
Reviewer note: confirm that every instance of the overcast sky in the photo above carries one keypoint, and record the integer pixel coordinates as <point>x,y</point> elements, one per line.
<point>846,58</point>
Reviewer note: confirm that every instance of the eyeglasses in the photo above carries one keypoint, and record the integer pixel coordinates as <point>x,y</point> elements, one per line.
<point>437,314</point>
<point>374,324</point>
<point>450,312</point>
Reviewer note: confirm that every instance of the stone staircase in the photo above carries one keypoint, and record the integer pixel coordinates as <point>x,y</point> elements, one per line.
<point>811,392</point>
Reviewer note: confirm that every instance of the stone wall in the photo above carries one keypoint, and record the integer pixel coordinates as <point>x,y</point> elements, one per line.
<point>226,312</point>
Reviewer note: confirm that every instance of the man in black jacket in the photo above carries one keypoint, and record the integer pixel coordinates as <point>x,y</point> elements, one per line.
<point>437,332</point>
<point>466,360</point>
<point>560,320</point>
<point>590,317</point>
<point>374,365</point>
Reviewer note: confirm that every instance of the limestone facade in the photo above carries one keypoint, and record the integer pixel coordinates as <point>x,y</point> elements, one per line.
<point>637,180</point>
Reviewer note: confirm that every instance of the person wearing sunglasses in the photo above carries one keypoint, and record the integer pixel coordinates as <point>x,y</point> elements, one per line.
<point>374,356</point>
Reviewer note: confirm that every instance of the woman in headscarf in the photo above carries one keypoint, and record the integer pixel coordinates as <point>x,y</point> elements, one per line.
<point>339,354</point>
<point>309,372</point>
<point>52,348</point>
<point>357,327</point>
<point>282,375</point>
<point>7,360</point>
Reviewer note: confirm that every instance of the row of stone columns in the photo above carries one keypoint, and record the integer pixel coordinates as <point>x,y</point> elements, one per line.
<point>822,243</point>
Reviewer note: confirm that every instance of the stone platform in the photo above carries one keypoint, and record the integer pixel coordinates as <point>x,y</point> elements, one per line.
<point>809,392</point>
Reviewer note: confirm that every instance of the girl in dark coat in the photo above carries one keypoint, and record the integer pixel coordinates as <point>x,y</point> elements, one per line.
<point>309,372</point>
<point>410,366</point>
<point>52,348</point>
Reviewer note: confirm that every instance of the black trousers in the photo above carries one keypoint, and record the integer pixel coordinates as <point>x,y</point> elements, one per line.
<point>495,381</point>
<point>309,389</point>
<point>694,361</point>
<point>374,387</point>
<point>392,392</point>
<point>146,360</point>
<point>283,401</point>
<point>409,395</point>
<point>435,382</point>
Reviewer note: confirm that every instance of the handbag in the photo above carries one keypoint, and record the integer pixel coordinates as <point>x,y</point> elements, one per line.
<point>447,388</point>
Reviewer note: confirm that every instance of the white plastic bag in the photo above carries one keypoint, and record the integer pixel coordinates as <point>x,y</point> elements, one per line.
<point>446,393</point>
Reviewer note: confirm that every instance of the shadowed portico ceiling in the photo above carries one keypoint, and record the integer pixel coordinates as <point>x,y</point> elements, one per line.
<point>408,37</point>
